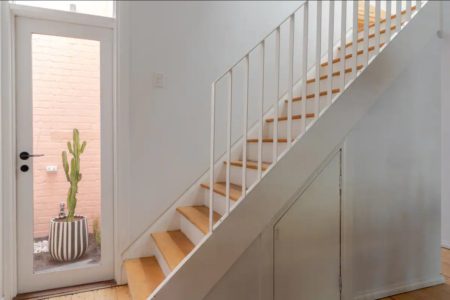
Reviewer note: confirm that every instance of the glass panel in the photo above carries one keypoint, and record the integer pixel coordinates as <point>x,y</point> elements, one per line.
<point>66,95</point>
<point>99,8</point>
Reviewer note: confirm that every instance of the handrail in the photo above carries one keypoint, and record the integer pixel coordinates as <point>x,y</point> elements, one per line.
<point>359,59</point>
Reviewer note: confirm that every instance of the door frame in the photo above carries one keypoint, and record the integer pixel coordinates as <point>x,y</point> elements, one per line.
<point>8,110</point>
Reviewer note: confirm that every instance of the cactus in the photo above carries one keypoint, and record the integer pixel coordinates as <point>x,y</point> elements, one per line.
<point>73,174</point>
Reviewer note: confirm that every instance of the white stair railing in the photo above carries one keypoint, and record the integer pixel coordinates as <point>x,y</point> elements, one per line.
<point>301,17</point>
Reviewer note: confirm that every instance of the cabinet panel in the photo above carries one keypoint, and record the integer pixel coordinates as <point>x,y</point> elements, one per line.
<point>307,241</point>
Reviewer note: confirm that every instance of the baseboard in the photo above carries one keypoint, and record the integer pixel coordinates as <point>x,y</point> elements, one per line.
<point>400,288</point>
<point>445,244</point>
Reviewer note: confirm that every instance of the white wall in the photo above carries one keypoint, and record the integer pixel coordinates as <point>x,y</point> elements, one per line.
<point>445,69</point>
<point>191,44</point>
<point>1,159</point>
<point>392,180</point>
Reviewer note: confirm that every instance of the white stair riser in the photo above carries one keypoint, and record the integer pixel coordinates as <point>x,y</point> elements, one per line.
<point>219,203</point>
<point>348,63</point>
<point>191,231</point>
<point>236,175</point>
<point>252,151</point>
<point>372,42</point>
<point>161,260</point>
<point>282,128</point>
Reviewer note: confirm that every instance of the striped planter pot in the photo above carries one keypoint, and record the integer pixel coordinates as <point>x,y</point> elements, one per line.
<point>68,240</point>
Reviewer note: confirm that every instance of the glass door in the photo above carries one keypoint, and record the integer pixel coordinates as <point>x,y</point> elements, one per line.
<point>64,154</point>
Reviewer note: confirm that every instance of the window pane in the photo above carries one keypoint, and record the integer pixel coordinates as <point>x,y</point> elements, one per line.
<point>99,8</point>
<point>66,95</point>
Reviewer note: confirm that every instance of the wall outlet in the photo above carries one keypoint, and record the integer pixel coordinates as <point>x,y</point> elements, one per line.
<point>52,169</point>
<point>158,80</point>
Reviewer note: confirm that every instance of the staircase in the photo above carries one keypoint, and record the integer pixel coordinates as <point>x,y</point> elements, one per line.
<point>280,124</point>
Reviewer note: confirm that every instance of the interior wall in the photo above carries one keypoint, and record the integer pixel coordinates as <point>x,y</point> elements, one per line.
<point>392,173</point>
<point>169,126</point>
<point>1,156</point>
<point>445,69</point>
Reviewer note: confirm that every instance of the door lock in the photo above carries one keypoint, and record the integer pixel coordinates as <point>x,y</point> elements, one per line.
<point>25,155</point>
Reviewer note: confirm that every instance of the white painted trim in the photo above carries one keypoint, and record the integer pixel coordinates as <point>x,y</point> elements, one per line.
<point>347,232</point>
<point>8,157</point>
<point>123,150</point>
<point>445,244</point>
<point>61,16</point>
<point>400,288</point>
<point>1,161</point>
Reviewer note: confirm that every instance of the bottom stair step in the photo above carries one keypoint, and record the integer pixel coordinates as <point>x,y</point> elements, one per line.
<point>144,275</point>
<point>173,245</point>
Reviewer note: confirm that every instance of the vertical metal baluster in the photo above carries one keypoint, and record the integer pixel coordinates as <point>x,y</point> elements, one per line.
<point>304,66</point>
<point>261,112</point>
<point>318,60</point>
<point>377,27</point>
<point>290,80</point>
<point>365,54</point>
<point>211,159</point>
<point>245,122</point>
<point>398,16</point>
<point>277,98</point>
<point>408,10</point>
<point>229,112</point>
<point>355,39</point>
<point>330,53</point>
<point>343,44</point>
<point>387,36</point>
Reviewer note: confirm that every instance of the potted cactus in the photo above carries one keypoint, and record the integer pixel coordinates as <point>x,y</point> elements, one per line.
<point>68,238</point>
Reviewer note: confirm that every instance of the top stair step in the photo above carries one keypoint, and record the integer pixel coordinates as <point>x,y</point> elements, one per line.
<point>144,275</point>
<point>173,245</point>
<point>199,216</point>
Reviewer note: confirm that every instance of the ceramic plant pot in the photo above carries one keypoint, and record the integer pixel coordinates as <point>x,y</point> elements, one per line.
<point>68,240</point>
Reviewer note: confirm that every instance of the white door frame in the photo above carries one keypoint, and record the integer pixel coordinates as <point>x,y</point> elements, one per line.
<point>9,210</point>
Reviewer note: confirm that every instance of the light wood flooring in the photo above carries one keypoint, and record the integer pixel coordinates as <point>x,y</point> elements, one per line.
<point>439,292</point>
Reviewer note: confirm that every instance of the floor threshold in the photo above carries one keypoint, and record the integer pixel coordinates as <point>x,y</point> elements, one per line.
<point>66,290</point>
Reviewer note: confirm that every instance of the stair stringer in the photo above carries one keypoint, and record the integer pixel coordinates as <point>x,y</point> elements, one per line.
<point>207,264</point>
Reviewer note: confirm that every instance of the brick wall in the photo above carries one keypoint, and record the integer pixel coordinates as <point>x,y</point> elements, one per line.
<point>66,95</point>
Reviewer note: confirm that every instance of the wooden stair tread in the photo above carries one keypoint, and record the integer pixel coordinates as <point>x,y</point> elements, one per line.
<point>250,164</point>
<point>350,55</point>
<point>173,245</point>
<point>413,8</point>
<point>144,275</point>
<point>294,117</point>
<point>220,188</point>
<point>335,74</point>
<point>371,36</point>
<point>313,95</point>
<point>267,140</point>
<point>199,216</point>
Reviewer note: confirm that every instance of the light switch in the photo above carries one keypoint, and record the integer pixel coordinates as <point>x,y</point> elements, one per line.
<point>158,80</point>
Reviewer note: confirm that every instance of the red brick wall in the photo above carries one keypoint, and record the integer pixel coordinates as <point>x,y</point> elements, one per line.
<point>66,95</point>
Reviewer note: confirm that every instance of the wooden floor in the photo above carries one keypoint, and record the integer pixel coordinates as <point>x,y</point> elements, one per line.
<point>114,293</point>
<point>439,292</point>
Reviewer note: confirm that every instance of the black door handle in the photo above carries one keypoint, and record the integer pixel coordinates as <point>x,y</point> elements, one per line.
<point>25,155</point>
